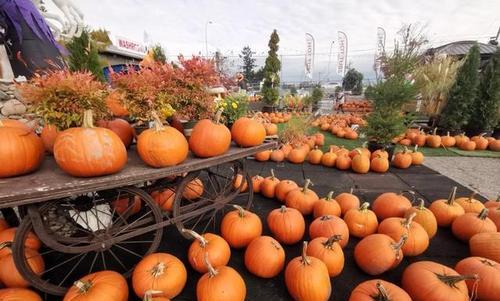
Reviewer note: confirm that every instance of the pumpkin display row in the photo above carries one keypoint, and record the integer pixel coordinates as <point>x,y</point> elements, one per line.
<point>89,151</point>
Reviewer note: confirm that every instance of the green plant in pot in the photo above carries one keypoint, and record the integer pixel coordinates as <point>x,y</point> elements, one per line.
<point>271,82</point>
<point>233,107</point>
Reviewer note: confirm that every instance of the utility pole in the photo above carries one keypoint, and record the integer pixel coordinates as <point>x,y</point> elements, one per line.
<point>206,37</point>
<point>329,61</point>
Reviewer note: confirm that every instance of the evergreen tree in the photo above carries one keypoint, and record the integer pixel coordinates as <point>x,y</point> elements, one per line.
<point>84,56</point>
<point>353,81</point>
<point>159,54</point>
<point>485,109</point>
<point>270,87</point>
<point>248,63</point>
<point>456,113</point>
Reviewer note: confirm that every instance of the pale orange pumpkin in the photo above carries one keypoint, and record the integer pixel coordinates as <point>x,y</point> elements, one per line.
<point>424,217</point>
<point>470,204</point>
<point>347,201</point>
<point>263,156</point>
<point>193,190</point>
<point>265,257</point>
<point>488,271</point>
<point>239,227</point>
<point>446,211</point>
<point>486,244</point>
<point>326,206</point>
<point>257,180</point>
<point>102,286</point>
<point>448,141</point>
<point>379,164</point>
<point>469,224</point>
<point>278,155</point>
<point>402,159</point>
<point>378,289</point>
<point>417,158</point>
<point>268,186</point>
<point>343,161</point>
<point>314,156</point>
<point>390,204</point>
<point>240,183</point>
<point>360,163</point>
<point>433,140</point>
<point>328,159</point>
<point>286,224</point>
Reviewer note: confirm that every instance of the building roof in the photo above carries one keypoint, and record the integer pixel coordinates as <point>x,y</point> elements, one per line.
<point>120,51</point>
<point>461,48</point>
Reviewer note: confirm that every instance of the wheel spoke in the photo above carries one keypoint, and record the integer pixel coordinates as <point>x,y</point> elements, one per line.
<point>93,263</point>
<point>103,260</point>
<point>129,251</point>
<point>62,263</point>
<point>118,260</point>
<point>133,223</point>
<point>73,269</point>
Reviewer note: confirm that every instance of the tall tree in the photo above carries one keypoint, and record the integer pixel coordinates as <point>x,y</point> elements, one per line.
<point>457,111</point>
<point>353,81</point>
<point>248,63</point>
<point>484,114</point>
<point>270,87</point>
<point>83,55</point>
<point>159,54</point>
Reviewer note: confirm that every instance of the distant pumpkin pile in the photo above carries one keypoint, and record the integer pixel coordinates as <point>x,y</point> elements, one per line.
<point>420,138</point>
<point>339,124</point>
<point>360,159</point>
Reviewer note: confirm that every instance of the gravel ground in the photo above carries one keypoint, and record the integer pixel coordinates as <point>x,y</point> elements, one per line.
<point>481,174</point>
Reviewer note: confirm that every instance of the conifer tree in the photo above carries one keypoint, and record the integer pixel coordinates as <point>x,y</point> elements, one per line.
<point>270,88</point>
<point>84,56</point>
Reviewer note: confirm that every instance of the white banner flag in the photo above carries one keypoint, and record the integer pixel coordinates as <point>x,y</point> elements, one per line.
<point>309,59</point>
<point>342,56</point>
<point>379,50</point>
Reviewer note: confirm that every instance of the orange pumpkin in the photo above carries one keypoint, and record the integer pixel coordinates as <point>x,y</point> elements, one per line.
<point>360,163</point>
<point>405,142</point>
<point>402,159</point>
<point>329,225</point>
<point>220,284</point>
<point>286,224</point>
<point>102,286</point>
<point>268,187</point>
<point>494,145</point>
<point>470,204</point>
<point>481,142</point>
<point>326,206</point>
<point>425,218</point>
<point>193,190</point>
<point>493,203</point>
<point>419,139</point>
<point>379,164</point>
<point>155,296</point>
<point>347,201</point>
<point>7,236</point>
<point>239,227</point>
<point>271,129</point>
<point>277,155</point>
<point>12,123</point>
<point>486,244</point>
<point>328,159</point>
<point>114,102</point>
<point>49,135</point>
<point>448,141</point>
<point>162,146</point>
<point>212,244</point>
<point>433,140</point>
<point>494,215</point>
<point>302,199</point>
<point>446,211</point>
<point>18,294</point>
<point>307,278</point>
<point>378,253</point>
<point>390,204</point>
<point>329,251</point>
<point>160,272</point>
<point>488,272</point>
<point>240,183</point>
<point>297,155</point>
<point>263,156</point>
<point>265,257</point>
<point>3,225</point>
<point>417,238</point>
<point>379,152</point>
<point>121,128</point>
<point>417,158</point>
<point>461,139</point>
<point>283,188</point>
<point>378,289</point>
<point>164,199</point>
<point>124,205</point>
<point>248,132</point>
<point>361,221</point>
<point>469,224</point>
<point>343,162</point>
<point>467,145</point>
<point>21,150</point>
<point>257,180</point>
<point>314,156</point>
<point>10,276</point>
<point>209,139</point>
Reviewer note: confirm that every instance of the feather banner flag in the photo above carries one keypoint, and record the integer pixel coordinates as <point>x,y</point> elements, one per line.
<point>309,57</point>
<point>379,52</point>
<point>342,54</point>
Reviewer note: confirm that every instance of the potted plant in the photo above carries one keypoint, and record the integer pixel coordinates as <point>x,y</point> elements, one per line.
<point>271,81</point>
<point>233,107</point>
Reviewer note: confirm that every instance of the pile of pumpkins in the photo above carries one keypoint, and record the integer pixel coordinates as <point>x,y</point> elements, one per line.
<point>339,125</point>
<point>277,117</point>
<point>358,106</point>
<point>360,159</point>
<point>420,138</point>
<point>90,151</point>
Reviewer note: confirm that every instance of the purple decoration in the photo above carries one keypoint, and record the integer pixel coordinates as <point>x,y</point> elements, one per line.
<point>14,10</point>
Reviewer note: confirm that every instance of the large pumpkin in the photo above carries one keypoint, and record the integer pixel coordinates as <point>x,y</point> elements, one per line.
<point>159,272</point>
<point>212,244</point>
<point>248,132</point>
<point>326,206</point>
<point>12,123</point>
<point>220,284</point>
<point>486,244</point>
<point>390,204</point>
<point>417,238</point>
<point>18,294</point>
<point>378,289</point>
<point>378,253</point>
<point>307,278</point>
<point>283,188</point>
<point>427,280</point>
<point>329,251</point>
<point>328,226</point>
<point>102,286</point>
<point>469,224</point>
<point>21,151</point>
<point>361,221</point>
<point>89,151</point>
<point>347,201</point>
<point>302,199</point>
<point>286,224</point>
<point>265,257</point>
<point>162,146</point>
<point>425,218</point>
<point>239,227</point>
<point>209,139</point>
<point>10,276</point>
<point>49,134</point>
<point>446,211</point>
<point>488,286</point>
<point>120,127</point>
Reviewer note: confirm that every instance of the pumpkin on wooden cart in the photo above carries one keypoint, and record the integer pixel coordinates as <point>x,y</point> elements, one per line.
<point>247,132</point>
<point>210,138</point>
<point>121,128</point>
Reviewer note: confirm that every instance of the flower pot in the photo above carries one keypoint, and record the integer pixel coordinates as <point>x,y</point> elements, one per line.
<point>389,148</point>
<point>269,108</point>
<point>188,126</point>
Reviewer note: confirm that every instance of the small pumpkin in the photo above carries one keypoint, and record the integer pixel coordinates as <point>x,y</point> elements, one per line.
<point>402,159</point>
<point>494,145</point>
<point>379,164</point>
<point>446,211</point>
<point>257,180</point>
<point>271,129</point>
<point>193,190</point>
<point>283,188</point>
<point>419,139</point>
<point>424,217</point>
<point>18,294</point>
<point>209,138</point>
<point>302,199</point>
<point>49,134</point>
<point>378,253</point>
<point>481,142</point>
<point>240,183</point>
<point>220,284</point>
<point>347,201</point>
<point>265,257</point>
<point>361,221</point>
<point>3,225</point>
<point>486,244</point>
<point>12,123</point>
<point>329,225</point>
<point>121,128</point>
<point>493,203</point>
<point>329,251</point>
<point>417,240</point>
<point>470,204</point>
<point>102,286</point>
<point>448,141</point>
<point>433,140</point>
<point>277,155</point>
<point>268,187</point>
<point>126,205</point>
<point>461,139</point>
<point>159,272</point>
<point>469,224</point>
<point>328,159</point>
<point>417,158</point>
<point>286,224</point>
<point>378,289</point>
<point>297,155</point>
<point>314,156</point>
<point>494,215</point>
<point>360,163</point>
<point>164,199</point>
<point>343,162</point>
<point>212,244</point>
<point>326,206</point>
<point>263,156</point>
<point>488,271</point>
<point>9,275</point>
<point>390,204</point>
<point>239,227</point>
<point>467,145</point>
<point>247,132</point>
<point>307,278</point>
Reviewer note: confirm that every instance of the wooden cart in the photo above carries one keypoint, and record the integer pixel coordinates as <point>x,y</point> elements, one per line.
<point>111,222</point>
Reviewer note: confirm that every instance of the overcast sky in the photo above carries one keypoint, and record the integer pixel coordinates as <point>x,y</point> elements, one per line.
<point>179,25</point>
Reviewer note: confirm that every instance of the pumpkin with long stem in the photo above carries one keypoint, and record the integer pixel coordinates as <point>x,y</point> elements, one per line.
<point>248,132</point>
<point>9,275</point>
<point>486,244</point>
<point>347,201</point>
<point>378,253</point>
<point>286,224</point>
<point>390,204</point>
<point>469,224</point>
<point>210,138</point>
<point>489,274</point>
<point>417,238</point>
<point>216,247</point>
<point>220,284</point>
<point>283,188</point>
<point>153,295</point>
<point>268,187</point>
<point>159,272</point>
<point>448,141</point>
<point>433,140</point>
<point>470,204</point>
<point>424,217</point>
<point>239,227</point>
<point>18,294</point>
<point>446,211</point>
<point>378,290</point>
<point>427,280</point>
<point>361,221</point>
<point>326,206</point>
<point>307,278</point>
<point>329,225</point>
<point>314,156</point>
<point>302,199</point>
<point>21,150</point>
<point>328,159</point>
<point>417,158</point>
<point>265,257</point>
<point>256,182</point>
<point>102,286</point>
<point>360,162</point>
<point>329,251</point>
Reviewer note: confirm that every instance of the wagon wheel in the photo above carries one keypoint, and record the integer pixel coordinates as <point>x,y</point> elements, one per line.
<point>219,194</point>
<point>77,234</point>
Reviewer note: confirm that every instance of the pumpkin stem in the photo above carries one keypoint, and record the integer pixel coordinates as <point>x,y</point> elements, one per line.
<point>364,206</point>
<point>415,149</point>
<point>1,123</point>
<point>408,220</point>
<point>83,286</point>
<point>158,269</point>
<point>331,149</point>
<point>6,245</point>
<point>483,214</point>
<point>330,241</point>
<point>157,122</point>
<point>451,280</point>
<point>272,174</point>
<point>435,130</point>
<point>382,293</point>
<point>409,192</point>
<point>148,295</point>
<point>471,197</point>
<point>305,259</point>
<point>88,121</point>
<point>241,211</point>
<point>276,245</point>
<point>283,209</point>
<point>201,239</point>
<point>448,134</point>
<point>421,204</point>
<point>306,185</point>
<point>358,151</point>
<point>397,246</point>
<point>212,272</point>
<point>217,117</point>
<point>329,196</point>
<point>451,198</point>
<point>351,190</point>
<point>487,262</point>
